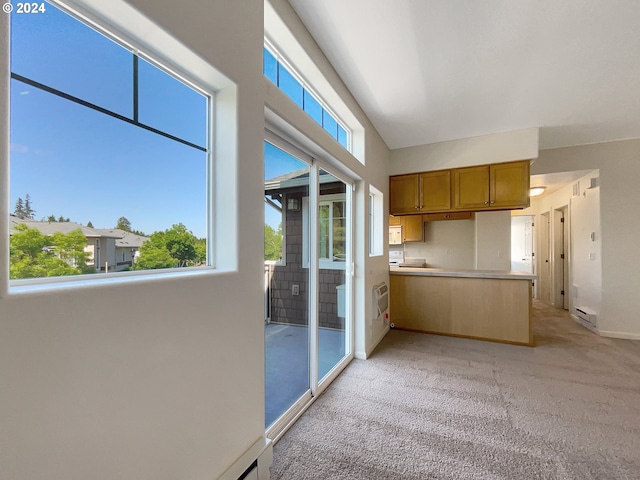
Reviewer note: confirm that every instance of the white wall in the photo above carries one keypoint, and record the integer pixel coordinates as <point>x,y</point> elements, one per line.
<point>585,252</point>
<point>619,166</point>
<point>152,379</point>
<point>493,240</point>
<point>447,244</point>
<point>494,148</point>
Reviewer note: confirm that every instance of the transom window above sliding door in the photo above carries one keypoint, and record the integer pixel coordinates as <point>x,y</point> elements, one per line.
<point>110,154</point>
<point>293,85</point>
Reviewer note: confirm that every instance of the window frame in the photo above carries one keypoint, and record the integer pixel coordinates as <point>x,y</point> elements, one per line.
<point>325,263</point>
<point>376,222</point>
<point>123,24</point>
<point>308,89</point>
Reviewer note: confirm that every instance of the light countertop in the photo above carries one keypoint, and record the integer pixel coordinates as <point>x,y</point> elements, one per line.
<point>454,272</point>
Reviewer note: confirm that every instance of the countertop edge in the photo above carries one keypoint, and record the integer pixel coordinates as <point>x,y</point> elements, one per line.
<point>441,272</point>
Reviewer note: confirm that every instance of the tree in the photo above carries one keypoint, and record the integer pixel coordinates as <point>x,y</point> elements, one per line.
<point>29,212</point>
<point>175,247</point>
<point>272,242</point>
<point>70,248</point>
<point>153,257</point>
<point>89,224</point>
<point>18,211</point>
<point>124,224</point>
<point>51,218</point>
<point>35,255</point>
<point>201,251</point>
<point>181,244</point>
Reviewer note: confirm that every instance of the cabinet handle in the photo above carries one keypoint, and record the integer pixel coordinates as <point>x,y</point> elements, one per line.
<point>493,202</point>
<point>446,215</point>
<point>486,203</point>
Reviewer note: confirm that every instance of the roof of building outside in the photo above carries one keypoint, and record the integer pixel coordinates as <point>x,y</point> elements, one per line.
<point>123,239</point>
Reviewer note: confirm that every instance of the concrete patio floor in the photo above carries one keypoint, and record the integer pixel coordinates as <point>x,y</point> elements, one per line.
<point>287,363</point>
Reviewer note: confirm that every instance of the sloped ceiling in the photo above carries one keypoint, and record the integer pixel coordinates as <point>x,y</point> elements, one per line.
<point>427,71</point>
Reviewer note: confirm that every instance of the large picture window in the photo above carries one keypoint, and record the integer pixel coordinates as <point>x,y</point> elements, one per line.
<point>110,154</point>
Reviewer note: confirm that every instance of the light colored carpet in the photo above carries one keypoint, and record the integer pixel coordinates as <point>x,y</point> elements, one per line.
<point>433,407</point>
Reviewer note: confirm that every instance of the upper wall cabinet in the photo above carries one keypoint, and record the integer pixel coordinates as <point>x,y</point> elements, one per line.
<point>420,192</point>
<point>403,194</point>
<point>492,187</point>
<point>502,186</point>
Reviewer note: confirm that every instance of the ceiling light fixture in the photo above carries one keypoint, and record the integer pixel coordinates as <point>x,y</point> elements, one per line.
<point>535,191</point>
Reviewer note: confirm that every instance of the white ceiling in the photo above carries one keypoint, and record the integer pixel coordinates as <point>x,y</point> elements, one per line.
<point>426,71</point>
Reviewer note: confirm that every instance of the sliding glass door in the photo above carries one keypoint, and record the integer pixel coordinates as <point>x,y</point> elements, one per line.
<point>307,279</point>
<point>333,232</point>
<point>287,340</point>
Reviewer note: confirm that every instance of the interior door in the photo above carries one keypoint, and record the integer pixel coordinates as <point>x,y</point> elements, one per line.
<point>543,254</point>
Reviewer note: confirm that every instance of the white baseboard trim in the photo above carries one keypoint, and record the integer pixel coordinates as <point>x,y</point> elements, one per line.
<point>360,355</point>
<point>262,451</point>
<point>624,335</point>
<point>606,333</point>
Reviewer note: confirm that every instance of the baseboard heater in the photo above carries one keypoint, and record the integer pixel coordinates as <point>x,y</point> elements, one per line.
<point>587,315</point>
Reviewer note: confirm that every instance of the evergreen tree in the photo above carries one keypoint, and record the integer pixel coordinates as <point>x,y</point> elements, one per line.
<point>124,224</point>
<point>29,212</point>
<point>51,218</point>
<point>19,210</point>
<point>89,224</point>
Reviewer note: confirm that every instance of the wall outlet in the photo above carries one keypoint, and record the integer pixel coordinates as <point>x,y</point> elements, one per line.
<point>295,289</point>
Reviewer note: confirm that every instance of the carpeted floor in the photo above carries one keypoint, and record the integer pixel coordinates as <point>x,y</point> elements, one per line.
<point>433,407</point>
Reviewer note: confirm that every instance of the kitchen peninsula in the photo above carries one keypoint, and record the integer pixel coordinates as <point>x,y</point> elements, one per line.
<point>482,304</point>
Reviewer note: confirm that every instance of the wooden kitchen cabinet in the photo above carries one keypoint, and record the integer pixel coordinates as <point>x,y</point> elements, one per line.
<point>471,188</point>
<point>395,221</point>
<point>509,185</point>
<point>435,191</point>
<point>403,194</point>
<point>421,192</point>
<point>412,227</point>
<point>491,187</point>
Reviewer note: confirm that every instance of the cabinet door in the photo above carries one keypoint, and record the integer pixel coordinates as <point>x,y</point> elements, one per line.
<point>510,185</point>
<point>435,191</point>
<point>403,194</point>
<point>471,187</point>
<point>395,221</point>
<point>412,228</point>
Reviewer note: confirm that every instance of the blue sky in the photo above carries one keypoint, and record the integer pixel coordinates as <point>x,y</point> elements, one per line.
<point>82,164</point>
<point>276,163</point>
